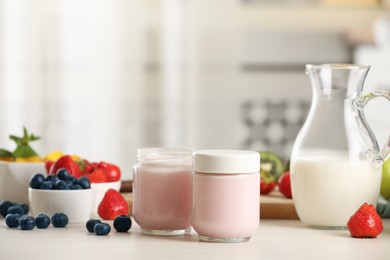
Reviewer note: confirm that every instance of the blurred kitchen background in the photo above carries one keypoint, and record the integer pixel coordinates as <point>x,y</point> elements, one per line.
<point>101,78</point>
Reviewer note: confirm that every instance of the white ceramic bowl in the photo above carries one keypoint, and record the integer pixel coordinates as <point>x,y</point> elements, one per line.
<point>76,204</point>
<point>15,179</point>
<point>100,189</point>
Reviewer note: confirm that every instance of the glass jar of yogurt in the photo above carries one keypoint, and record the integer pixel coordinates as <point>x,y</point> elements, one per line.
<point>226,201</point>
<point>162,191</point>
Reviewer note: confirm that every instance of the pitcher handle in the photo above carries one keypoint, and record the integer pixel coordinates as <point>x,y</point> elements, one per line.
<point>362,101</point>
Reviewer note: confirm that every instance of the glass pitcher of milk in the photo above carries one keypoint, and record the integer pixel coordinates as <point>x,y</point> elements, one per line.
<point>336,161</point>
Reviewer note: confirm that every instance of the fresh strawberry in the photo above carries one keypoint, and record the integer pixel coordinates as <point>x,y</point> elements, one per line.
<point>267,182</point>
<point>112,205</point>
<point>66,162</point>
<point>48,165</point>
<point>96,176</point>
<point>112,172</point>
<point>284,184</point>
<point>86,167</point>
<point>365,222</point>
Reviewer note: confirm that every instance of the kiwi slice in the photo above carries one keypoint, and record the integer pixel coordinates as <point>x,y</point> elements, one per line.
<point>271,163</point>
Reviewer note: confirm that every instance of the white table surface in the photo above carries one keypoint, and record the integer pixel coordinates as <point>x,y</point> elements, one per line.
<point>274,239</point>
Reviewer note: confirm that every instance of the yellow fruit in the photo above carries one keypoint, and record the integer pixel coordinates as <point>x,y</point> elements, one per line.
<point>29,159</point>
<point>75,157</point>
<point>53,156</point>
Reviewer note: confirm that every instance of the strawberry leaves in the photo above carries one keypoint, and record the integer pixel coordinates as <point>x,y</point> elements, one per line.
<point>23,148</point>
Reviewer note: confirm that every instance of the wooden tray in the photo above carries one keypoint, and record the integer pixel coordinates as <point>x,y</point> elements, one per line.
<point>276,206</point>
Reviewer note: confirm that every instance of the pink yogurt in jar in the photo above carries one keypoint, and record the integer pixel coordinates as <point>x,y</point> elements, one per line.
<point>162,191</point>
<point>226,201</point>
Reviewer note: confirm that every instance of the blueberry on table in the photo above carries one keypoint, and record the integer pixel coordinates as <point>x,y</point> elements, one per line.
<point>5,204</point>
<point>47,185</point>
<point>63,174</point>
<point>90,225</point>
<point>15,209</point>
<point>84,182</point>
<point>102,229</point>
<point>25,207</point>
<point>59,220</point>
<point>122,223</point>
<point>12,220</point>
<point>42,221</point>
<point>36,181</point>
<point>26,222</point>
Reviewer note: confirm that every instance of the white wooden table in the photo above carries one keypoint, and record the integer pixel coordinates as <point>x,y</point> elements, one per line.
<point>274,239</point>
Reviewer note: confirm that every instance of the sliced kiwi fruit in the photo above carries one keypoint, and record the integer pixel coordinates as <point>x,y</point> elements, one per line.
<point>271,163</point>
<point>287,165</point>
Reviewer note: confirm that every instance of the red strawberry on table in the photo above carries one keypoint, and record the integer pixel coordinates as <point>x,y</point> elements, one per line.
<point>112,205</point>
<point>365,223</point>
<point>66,162</point>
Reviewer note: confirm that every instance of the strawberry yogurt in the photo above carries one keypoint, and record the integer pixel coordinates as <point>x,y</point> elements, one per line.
<point>226,195</point>
<point>162,192</point>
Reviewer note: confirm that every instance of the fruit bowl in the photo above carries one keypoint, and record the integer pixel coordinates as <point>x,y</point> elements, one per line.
<point>15,178</point>
<point>76,204</point>
<point>100,189</point>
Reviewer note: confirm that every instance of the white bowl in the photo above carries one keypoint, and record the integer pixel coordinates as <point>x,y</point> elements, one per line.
<point>100,189</point>
<point>76,204</point>
<point>15,179</point>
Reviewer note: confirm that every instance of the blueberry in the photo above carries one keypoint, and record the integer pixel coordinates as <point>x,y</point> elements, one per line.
<point>42,221</point>
<point>15,209</point>
<point>26,222</point>
<point>53,178</point>
<point>75,187</point>
<point>12,220</point>
<point>122,223</point>
<point>90,225</point>
<point>61,185</point>
<point>63,174</point>
<point>102,229</point>
<point>59,220</point>
<point>84,182</point>
<point>47,185</point>
<point>73,179</point>
<point>25,207</point>
<point>5,204</point>
<point>36,181</point>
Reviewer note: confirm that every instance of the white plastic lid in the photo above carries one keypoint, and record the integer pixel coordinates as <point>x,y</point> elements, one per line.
<point>226,161</point>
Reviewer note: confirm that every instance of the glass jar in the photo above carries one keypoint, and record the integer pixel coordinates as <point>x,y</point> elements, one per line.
<point>226,202</point>
<point>162,191</point>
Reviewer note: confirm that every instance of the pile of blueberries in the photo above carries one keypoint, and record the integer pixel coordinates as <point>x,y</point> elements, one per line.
<point>121,223</point>
<point>62,180</point>
<point>16,216</point>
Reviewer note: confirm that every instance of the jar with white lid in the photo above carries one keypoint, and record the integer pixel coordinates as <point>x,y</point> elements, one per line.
<point>226,200</point>
<point>162,191</point>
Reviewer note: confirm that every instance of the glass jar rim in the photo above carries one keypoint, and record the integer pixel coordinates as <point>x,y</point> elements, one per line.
<point>337,66</point>
<point>164,155</point>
